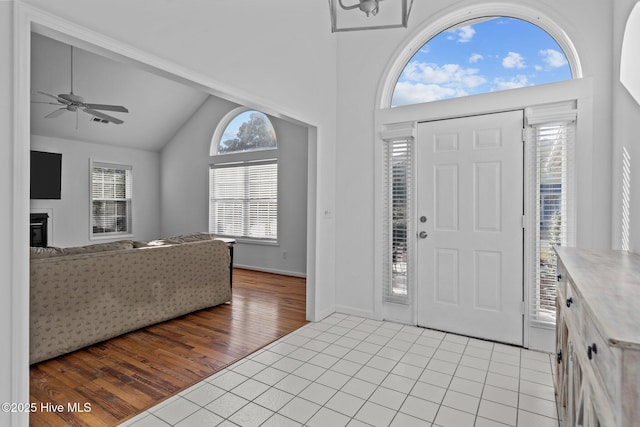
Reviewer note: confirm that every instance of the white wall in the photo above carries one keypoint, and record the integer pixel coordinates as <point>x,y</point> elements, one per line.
<point>625,116</point>
<point>361,69</point>
<point>185,189</point>
<point>69,216</point>
<point>185,171</point>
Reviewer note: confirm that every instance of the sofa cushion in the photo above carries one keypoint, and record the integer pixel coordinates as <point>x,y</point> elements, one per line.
<point>193,237</point>
<point>138,244</point>
<point>99,247</point>
<point>52,251</point>
<point>176,240</point>
<point>151,243</point>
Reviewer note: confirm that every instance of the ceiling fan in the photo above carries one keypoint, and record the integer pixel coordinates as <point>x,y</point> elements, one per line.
<point>74,103</point>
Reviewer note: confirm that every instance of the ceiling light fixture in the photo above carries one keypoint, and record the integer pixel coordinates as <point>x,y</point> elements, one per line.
<point>370,7</point>
<point>393,14</point>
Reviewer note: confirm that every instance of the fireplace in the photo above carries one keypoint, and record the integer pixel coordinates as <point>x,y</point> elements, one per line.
<point>39,229</point>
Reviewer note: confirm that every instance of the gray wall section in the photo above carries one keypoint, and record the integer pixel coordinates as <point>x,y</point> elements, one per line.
<point>185,189</point>
<point>171,189</point>
<point>69,220</point>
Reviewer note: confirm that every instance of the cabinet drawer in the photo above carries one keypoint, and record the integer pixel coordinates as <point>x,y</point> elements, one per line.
<point>603,360</point>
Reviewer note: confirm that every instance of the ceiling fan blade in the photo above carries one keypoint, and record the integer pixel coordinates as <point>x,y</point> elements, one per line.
<point>62,100</point>
<point>118,108</point>
<point>45,102</point>
<point>102,116</point>
<point>56,113</point>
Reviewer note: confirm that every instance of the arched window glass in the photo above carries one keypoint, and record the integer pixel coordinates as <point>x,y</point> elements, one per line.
<point>248,131</point>
<point>481,56</point>
<point>243,178</point>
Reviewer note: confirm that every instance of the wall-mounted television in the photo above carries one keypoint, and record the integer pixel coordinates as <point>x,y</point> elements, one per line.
<point>46,175</point>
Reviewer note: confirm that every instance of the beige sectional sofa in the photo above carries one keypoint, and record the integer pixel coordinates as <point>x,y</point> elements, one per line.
<point>80,296</point>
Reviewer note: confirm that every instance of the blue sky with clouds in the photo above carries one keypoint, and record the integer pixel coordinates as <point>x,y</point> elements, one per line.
<point>486,56</point>
<point>231,131</point>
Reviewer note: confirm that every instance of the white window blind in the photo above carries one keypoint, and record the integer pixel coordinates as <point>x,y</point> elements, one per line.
<point>244,199</point>
<point>398,161</point>
<point>553,147</point>
<point>111,189</point>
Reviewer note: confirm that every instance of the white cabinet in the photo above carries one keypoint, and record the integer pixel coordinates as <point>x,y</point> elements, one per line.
<point>598,338</point>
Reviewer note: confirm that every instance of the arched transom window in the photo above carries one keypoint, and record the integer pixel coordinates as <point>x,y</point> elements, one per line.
<point>243,177</point>
<point>248,131</point>
<point>480,56</point>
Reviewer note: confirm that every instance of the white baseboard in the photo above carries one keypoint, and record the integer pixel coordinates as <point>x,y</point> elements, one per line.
<point>367,314</point>
<point>401,321</point>
<point>324,313</point>
<point>271,270</point>
<point>542,339</point>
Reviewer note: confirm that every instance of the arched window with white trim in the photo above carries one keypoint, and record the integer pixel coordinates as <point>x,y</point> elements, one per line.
<point>480,56</point>
<point>243,177</point>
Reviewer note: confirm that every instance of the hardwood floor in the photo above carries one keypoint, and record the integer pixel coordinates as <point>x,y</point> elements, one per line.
<point>124,376</point>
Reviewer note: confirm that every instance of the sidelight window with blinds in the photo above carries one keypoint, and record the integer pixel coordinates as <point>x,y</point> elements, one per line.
<point>398,161</point>
<point>111,188</point>
<point>243,178</point>
<point>551,140</point>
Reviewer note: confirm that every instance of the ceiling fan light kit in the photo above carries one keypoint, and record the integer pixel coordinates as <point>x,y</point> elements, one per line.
<point>354,15</point>
<point>75,103</point>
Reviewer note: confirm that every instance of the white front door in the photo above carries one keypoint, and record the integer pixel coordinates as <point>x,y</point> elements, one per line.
<point>470,204</point>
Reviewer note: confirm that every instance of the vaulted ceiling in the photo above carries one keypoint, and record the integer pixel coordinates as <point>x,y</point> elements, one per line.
<point>157,106</point>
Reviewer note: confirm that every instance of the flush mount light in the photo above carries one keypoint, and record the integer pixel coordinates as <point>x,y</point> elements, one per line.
<point>353,15</point>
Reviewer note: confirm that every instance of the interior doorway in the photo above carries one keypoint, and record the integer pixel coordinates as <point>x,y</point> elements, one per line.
<point>28,20</point>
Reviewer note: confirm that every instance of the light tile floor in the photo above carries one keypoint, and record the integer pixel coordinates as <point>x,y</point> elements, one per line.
<point>350,371</point>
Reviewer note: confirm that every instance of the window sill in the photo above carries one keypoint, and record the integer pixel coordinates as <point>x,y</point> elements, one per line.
<point>111,236</point>
<point>248,241</point>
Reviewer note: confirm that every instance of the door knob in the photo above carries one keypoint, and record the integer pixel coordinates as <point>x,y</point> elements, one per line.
<point>423,234</point>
